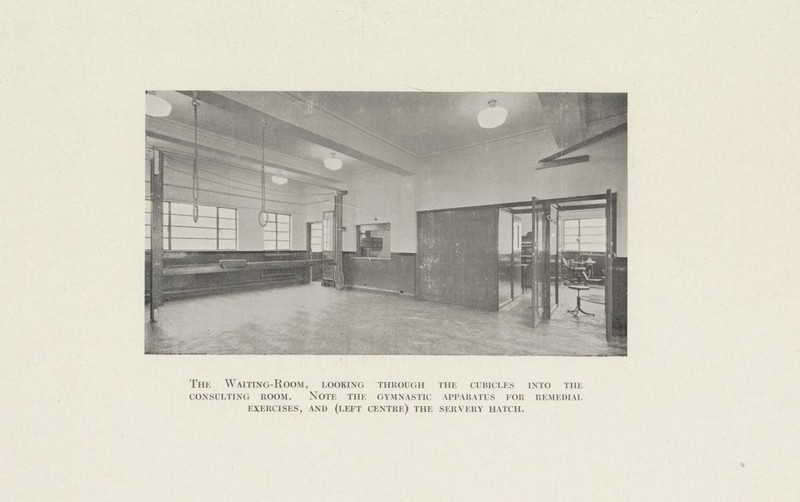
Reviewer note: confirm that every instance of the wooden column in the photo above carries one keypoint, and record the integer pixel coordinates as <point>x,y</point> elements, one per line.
<point>338,271</point>
<point>156,232</point>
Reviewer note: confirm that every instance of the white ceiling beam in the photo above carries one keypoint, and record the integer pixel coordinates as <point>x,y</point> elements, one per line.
<point>312,125</point>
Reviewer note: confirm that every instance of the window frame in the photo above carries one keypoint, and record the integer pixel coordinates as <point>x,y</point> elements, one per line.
<point>316,247</point>
<point>277,232</point>
<point>579,237</point>
<point>169,234</point>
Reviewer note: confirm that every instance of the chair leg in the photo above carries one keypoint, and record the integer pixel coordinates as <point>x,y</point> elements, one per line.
<point>578,310</point>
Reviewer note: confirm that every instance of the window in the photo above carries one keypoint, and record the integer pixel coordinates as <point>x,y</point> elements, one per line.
<point>215,228</point>
<point>316,237</point>
<point>327,234</point>
<point>585,235</point>
<point>278,232</point>
<point>373,241</point>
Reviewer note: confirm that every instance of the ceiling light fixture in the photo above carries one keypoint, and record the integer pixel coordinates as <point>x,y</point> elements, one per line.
<point>333,163</point>
<point>156,106</point>
<point>492,117</point>
<point>279,180</point>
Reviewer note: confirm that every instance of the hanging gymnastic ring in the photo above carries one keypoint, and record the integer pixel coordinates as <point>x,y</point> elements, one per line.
<point>262,218</point>
<point>195,213</point>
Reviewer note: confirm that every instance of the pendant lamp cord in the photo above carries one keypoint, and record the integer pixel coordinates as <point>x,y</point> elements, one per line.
<point>195,179</point>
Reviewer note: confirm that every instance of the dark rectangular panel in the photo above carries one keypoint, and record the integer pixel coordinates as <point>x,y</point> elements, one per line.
<point>395,275</point>
<point>457,257</point>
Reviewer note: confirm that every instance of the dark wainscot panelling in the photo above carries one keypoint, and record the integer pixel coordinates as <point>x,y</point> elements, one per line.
<point>394,275</point>
<point>620,320</point>
<point>188,285</point>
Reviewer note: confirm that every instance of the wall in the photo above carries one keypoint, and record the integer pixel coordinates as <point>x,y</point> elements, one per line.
<point>396,275</point>
<point>506,171</point>
<point>489,174</point>
<point>381,197</point>
<point>243,194</point>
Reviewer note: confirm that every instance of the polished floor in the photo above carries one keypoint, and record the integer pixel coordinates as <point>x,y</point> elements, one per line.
<point>310,319</point>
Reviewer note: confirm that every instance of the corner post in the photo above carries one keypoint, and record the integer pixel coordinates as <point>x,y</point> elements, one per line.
<point>338,271</point>
<point>156,232</point>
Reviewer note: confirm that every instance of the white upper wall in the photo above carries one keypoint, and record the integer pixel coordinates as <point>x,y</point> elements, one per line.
<point>506,172</point>
<point>382,197</point>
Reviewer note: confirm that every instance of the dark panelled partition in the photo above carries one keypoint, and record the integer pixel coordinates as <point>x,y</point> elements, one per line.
<point>457,257</point>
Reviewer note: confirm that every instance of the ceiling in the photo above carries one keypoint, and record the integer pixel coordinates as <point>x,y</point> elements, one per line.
<point>421,124</point>
<point>276,138</point>
<point>429,123</point>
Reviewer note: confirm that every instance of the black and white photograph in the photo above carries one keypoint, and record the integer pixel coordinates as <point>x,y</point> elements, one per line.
<point>384,223</point>
<point>370,250</point>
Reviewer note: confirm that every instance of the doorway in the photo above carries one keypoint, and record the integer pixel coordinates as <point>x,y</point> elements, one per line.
<point>314,240</point>
<point>327,248</point>
<point>572,259</point>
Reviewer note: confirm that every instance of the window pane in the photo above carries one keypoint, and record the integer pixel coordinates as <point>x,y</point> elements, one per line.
<point>283,227</point>
<point>197,232</point>
<point>284,218</point>
<point>269,246</point>
<point>227,223</point>
<point>187,221</point>
<point>194,244</point>
<point>593,222</point>
<point>571,223</point>
<point>225,244</point>
<point>570,244</point>
<point>593,231</point>
<point>227,234</point>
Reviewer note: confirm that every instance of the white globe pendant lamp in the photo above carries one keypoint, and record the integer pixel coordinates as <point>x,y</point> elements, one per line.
<point>155,106</point>
<point>493,116</point>
<point>333,163</point>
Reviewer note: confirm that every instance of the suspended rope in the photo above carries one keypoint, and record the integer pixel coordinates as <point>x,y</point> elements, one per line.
<point>262,215</point>
<point>195,178</point>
